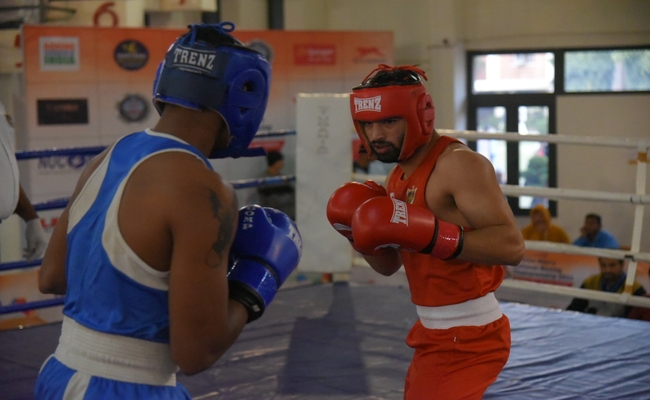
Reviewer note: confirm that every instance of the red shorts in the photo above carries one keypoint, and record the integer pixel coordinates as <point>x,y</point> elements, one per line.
<point>456,363</point>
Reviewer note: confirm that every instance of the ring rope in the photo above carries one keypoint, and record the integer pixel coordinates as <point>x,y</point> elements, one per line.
<point>32,305</point>
<point>62,203</point>
<point>562,248</point>
<point>69,151</point>
<point>551,193</point>
<point>639,199</point>
<point>636,143</point>
<point>93,150</point>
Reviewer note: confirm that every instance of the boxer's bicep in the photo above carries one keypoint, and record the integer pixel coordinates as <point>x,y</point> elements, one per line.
<point>200,328</point>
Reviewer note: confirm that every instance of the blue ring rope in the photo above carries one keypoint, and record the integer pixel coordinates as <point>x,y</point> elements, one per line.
<point>93,150</point>
<point>62,203</point>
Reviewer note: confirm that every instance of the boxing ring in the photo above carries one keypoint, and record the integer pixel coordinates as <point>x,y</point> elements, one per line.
<point>345,339</point>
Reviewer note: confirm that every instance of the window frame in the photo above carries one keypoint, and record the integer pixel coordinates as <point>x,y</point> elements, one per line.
<point>511,101</point>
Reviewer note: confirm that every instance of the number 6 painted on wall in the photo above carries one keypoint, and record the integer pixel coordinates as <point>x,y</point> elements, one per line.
<point>105,9</point>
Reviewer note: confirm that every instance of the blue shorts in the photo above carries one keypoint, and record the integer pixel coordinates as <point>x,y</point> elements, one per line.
<point>56,381</point>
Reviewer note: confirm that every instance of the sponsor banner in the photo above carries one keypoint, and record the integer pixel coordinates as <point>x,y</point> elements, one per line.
<point>565,269</point>
<point>87,86</point>
<point>62,112</point>
<point>131,54</point>
<point>102,79</point>
<point>314,54</point>
<point>59,53</point>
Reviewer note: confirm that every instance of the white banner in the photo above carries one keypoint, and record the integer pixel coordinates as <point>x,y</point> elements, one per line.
<point>323,163</point>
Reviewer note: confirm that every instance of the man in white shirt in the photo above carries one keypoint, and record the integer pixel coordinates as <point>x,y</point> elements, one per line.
<point>12,197</point>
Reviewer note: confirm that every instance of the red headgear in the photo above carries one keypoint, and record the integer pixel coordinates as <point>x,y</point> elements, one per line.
<point>394,92</point>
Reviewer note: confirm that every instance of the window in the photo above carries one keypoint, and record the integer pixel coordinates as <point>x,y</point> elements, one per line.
<point>516,92</point>
<point>512,73</point>
<point>607,70</point>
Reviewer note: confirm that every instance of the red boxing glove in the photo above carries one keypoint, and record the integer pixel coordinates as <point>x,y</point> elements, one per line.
<point>346,199</point>
<point>388,222</point>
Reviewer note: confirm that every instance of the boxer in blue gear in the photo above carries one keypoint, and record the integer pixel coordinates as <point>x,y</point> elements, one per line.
<point>233,81</point>
<point>142,250</point>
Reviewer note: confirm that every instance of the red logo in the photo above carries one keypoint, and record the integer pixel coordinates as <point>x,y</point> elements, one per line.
<point>314,54</point>
<point>369,51</point>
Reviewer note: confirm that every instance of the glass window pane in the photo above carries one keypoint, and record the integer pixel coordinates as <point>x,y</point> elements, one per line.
<point>533,156</point>
<point>493,120</point>
<point>607,70</point>
<point>512,73</point>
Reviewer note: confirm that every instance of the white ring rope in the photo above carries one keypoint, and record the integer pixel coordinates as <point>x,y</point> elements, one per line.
<point>576,194</point>
<point>551,193</point>
<point>640,144</point>
<point>639,199</point>
<point>562,248</point>
<point>622,298</point>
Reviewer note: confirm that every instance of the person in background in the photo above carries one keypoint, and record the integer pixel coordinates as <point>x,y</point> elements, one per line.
<point>610,279</point>
<point>361,162</point>
<point>640,313</point>
<point>279,195</point>
<point>443,216</point>
<point>592,234</point>
<point>367,164</point>
<point>542,228</point>
<point>13,198</point>
<point>160,268</point>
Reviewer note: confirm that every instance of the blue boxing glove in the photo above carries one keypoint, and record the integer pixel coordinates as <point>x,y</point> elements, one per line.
<point>266,249</point>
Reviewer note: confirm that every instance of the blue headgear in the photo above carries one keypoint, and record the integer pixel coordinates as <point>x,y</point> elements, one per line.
<point>226,77</point>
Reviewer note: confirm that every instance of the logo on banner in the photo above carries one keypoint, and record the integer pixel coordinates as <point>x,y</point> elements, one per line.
<point>369,55</point>
<point>62,111</point>
<point>314,54</point>
<point>131,55</point>
<point>63,164</point>
<point>59,53</point>
<point>368,104</point>
<point>133,108</point>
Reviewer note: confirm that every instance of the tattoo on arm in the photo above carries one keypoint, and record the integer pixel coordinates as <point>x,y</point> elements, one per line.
<point>226,217</point>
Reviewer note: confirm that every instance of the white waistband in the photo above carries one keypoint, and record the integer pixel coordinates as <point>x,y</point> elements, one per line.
<point>475,312</point>
<point>115,357</point>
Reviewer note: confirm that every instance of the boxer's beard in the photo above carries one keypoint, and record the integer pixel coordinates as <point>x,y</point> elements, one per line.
<point>390,156</point>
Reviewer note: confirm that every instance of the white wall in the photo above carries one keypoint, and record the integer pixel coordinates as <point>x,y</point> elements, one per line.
<point>602,168</point>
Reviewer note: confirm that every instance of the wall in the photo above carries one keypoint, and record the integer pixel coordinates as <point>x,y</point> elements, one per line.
<point>602,168</point>
<point>436,33</point>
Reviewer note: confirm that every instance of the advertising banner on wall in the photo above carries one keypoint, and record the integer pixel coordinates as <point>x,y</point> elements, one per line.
<point>565,269</point>
<point>87,86</point>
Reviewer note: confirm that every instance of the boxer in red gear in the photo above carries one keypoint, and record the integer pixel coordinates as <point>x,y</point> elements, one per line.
<point>446,220</point>
<point>344,202</point>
